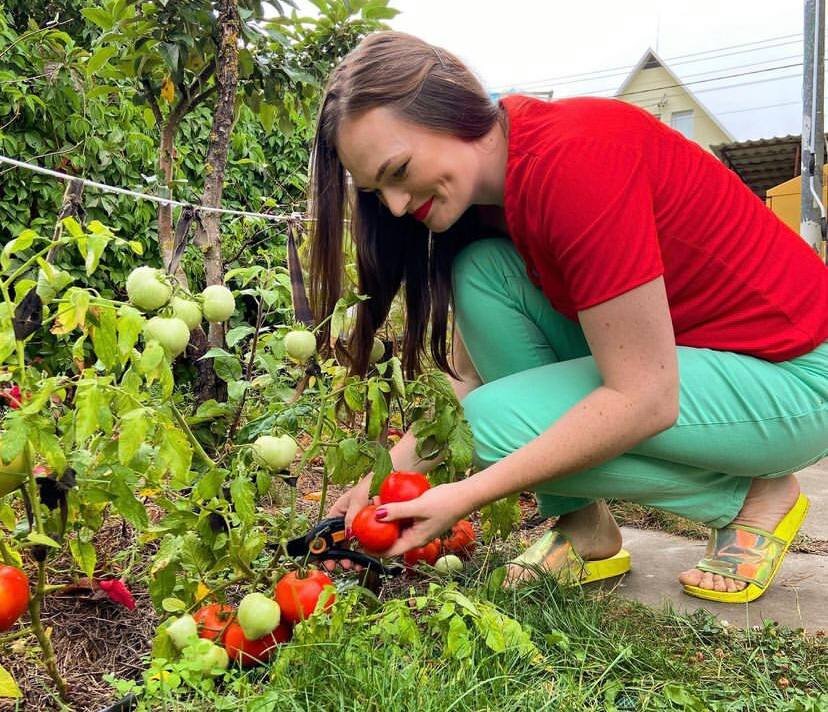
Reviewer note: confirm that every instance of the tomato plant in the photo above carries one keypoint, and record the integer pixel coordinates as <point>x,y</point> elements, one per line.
<point>14,595</point>
<point>375,536</point>
<point>298,595</point>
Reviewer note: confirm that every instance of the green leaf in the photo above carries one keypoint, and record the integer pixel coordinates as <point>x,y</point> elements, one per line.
<point>7,517</point>
<point>85,556</point>
<point>8,687</point>
<point>50,447</point>
<point>98,16</point>
<point>171,54</point>
<point>243,493</point>
<point>133,432</point>
<point>129,327</point>
<point>176,455</point>
<point>87,409</point>
<point>124,499</point>
<point>209,486</point>
<point>15,247</point>
<point>377,410</point>
<point>14,438</point>
<point>458,643</point>
<point>100,57</point>
<point>104,337</point>
<point>95,246</point>
<point>38,538</point>
<point>173,605</point>
<point>237,334</point>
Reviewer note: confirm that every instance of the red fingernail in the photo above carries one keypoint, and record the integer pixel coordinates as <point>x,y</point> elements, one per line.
<point>381,513</point>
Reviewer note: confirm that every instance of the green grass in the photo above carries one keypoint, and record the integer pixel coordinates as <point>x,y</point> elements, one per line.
<point>593,652</point>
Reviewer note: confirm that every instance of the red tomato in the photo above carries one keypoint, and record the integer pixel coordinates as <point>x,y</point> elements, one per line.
<point>461,541</point>
<point>212,620</point>
<point>253,652</point>
<point>402,486</point>
<point>14,595</point>
<point>374,535</point>
<point>297,595</point>
<point>427,554</point>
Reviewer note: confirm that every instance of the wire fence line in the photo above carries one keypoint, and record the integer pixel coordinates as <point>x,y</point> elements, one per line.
<point>284,218</point>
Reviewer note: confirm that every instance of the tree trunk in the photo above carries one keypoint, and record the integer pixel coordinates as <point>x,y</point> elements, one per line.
<point>208,237</point>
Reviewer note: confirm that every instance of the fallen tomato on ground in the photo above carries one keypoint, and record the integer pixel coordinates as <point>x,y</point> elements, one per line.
<point>374,536</point>
<point>297,595</point>
<point>253,652</point>
<point>14,595</point>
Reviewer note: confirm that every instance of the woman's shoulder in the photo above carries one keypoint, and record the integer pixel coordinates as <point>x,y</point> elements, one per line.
<point>536,125</point>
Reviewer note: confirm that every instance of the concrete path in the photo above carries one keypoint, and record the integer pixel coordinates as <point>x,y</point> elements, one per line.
<point>798,597</point>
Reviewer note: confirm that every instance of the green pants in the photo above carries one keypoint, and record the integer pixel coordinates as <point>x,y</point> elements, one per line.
<point>740,416</point>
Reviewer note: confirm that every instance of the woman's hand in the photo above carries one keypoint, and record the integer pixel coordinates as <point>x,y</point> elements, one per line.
<point>434,512</point>
<point>348,505</point>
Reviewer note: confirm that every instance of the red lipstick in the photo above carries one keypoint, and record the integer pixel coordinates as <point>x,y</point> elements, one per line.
<point>422,212</point>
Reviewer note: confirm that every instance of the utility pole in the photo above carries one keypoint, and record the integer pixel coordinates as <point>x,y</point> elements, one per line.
<point>812,224</point>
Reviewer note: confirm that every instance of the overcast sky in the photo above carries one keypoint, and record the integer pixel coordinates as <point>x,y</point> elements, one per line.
<point>538,45</point>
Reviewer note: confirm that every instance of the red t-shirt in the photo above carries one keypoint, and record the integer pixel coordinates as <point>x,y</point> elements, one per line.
<point>600,197</point>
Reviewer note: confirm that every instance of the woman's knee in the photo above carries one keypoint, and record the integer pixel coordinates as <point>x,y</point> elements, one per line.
<point>484,259</point>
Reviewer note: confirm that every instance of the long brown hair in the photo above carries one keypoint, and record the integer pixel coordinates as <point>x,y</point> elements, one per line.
<point>427,86</point>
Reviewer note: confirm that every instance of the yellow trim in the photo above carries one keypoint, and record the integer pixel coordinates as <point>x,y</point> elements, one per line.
<point>785,530</point>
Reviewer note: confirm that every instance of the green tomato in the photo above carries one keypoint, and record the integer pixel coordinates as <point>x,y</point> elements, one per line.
<point>188,311</point>
<point>448,564</point>
<point>147,288</point>
<point>377,351</point>
<point>183,631</point>
<point>258,615</point>
<point>219,304</point>
<point>300,345</point>
<point>172,333</point>
<point>276,453</point>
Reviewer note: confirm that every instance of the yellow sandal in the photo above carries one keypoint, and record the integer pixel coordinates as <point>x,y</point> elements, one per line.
<point>554,552</point>
<point>748,554</point>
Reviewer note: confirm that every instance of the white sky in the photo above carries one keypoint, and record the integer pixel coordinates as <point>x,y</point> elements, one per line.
<point>522,44</point>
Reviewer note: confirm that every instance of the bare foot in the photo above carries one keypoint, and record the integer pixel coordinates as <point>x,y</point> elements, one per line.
<point>767,502</point>
<point>593,533</point>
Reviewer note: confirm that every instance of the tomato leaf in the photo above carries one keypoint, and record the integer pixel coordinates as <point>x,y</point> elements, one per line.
<point>134,428</point>
<point>84,554</point>
<point>242,492</point>
<point>129,327</point>
<point>8,687</point>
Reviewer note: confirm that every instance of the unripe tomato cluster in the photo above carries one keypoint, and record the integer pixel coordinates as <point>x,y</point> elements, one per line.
<point>376,536</point>
<point>251,633</point>
<point>150,290</point>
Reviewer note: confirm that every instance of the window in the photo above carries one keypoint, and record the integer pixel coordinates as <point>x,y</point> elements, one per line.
<point>683,121</point>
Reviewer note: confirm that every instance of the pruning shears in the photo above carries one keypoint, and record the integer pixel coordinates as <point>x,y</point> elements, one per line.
<point>327,540</point>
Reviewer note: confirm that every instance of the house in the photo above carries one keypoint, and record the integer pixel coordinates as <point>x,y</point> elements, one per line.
<point>653,86</point>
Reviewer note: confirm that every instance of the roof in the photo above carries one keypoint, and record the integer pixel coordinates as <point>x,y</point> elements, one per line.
<point>651,60</point>
<point>762,163</point>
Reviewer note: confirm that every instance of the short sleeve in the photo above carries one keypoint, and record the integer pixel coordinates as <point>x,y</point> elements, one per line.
<point>596,219</point>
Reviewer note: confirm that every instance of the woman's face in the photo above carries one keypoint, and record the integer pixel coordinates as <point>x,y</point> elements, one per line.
<point>433,176</point>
